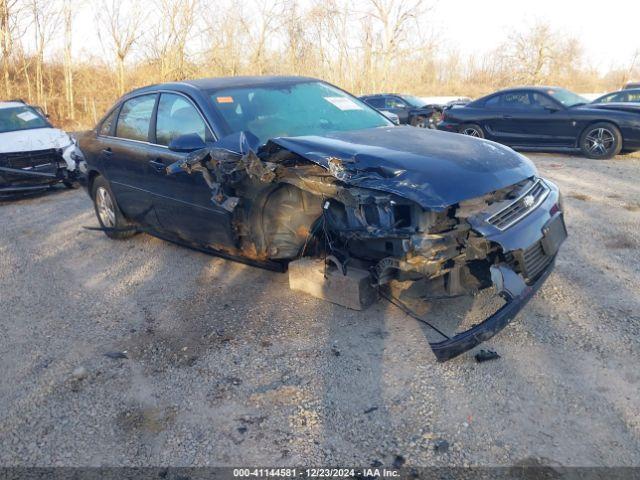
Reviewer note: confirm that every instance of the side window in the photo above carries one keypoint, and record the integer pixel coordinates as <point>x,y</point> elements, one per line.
<point>493,102</point>
<point>107,125</point>
<point>607,99</point>
<point>633,97</point>
<point>516,100</point>
<point>392,102</point>
<point>542,101</point>
<point>376,102</point>
<point>135,118</point>
<point>176,117</point>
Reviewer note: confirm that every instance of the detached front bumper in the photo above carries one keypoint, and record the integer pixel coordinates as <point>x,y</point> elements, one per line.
<point>512,288</point>
<point>533,242</point>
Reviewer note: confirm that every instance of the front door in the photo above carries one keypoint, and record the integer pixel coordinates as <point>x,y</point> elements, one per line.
<point>397,106</point>
<point>183,201</point>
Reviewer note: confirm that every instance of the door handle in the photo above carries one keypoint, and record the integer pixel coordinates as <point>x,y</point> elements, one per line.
<point>507,117</point>
<point>107,152</point>
<point>157,165</point>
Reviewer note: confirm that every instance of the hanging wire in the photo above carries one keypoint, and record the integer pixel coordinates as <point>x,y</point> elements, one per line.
<point>398,303</point>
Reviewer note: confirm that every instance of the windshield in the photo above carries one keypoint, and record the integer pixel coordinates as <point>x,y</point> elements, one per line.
<point>567,98</point>
<point>21,118</point>
<point>413,101</point>
<point>308,108</point>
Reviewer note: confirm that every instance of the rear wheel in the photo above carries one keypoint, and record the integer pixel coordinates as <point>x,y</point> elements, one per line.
<point>472,130</point>
<point>108,212</point>
<point>601,141</point>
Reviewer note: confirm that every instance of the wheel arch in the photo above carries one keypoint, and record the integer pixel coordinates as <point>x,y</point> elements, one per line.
<point>594,122</point>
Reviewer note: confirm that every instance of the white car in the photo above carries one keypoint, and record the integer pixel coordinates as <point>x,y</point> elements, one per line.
<point>33,155</point>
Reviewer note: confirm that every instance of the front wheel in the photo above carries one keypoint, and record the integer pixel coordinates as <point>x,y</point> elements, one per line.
<point>108,212</point>
<point>472,130</point>
<point>420,121</point>
<point>601,141</point>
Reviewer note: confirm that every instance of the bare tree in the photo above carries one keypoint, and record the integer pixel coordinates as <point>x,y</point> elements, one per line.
<point>266,21</point>
<point>44,17</point>
<point>122,30</point>
<point>168,43</point>
<point>8,15</point>
<point>540,54</point>
<point>68,65</point>
<point>394,18</point>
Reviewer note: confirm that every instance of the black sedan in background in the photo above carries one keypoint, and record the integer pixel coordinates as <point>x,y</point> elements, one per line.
<point>548,118</point>
<point>630,95</point>
<point>410,110</point>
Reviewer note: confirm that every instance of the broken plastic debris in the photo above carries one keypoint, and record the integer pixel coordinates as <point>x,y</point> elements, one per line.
<point>485,355</point>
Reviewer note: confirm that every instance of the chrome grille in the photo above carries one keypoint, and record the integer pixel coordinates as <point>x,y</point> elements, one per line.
<point>521,207</point>
<point>534,261</point>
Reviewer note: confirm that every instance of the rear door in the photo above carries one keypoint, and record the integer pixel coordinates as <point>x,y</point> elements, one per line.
<point>123,156</point>
<point>183,201</point>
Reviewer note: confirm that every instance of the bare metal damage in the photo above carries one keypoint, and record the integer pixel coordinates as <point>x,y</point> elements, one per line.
<point>286,206</point>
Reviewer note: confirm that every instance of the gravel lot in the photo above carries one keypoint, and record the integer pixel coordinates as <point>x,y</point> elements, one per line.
<point>227,366</point>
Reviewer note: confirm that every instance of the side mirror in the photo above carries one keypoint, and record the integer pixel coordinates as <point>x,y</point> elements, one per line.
<point>187,143</point>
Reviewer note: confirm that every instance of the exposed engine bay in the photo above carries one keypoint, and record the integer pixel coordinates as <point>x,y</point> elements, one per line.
<point>287,208</point>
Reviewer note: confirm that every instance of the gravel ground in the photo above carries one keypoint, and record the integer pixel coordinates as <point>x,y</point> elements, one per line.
<point>227,366</point>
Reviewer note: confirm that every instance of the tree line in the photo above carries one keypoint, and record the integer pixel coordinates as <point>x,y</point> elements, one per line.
<point>363,46</point>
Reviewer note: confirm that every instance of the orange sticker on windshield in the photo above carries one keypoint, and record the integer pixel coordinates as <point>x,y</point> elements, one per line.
<point>224,99</point>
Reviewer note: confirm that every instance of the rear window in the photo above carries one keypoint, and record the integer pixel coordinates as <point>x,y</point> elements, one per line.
<point>375,102</point>
<point>21,118</point>
<point>516,100</point>
<point>135,118</point>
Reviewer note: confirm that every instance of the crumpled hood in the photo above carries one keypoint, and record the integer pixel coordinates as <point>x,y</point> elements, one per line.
<point>33,139</point>
<point>432,168</point>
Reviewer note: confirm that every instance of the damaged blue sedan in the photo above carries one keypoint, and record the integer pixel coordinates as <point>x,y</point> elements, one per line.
<point>292,172</point>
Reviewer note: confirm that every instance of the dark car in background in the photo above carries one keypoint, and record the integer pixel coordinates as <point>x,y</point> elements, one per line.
<point>547,118</point>
<point>632,85</point>
<point>411,110</point>
<point>292,171</point>
<point>630,95</point>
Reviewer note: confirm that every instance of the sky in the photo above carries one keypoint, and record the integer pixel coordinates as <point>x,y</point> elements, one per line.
<point>608,30</point>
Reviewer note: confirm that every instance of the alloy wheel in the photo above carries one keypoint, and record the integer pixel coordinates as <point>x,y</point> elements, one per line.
<point>106,210</point>
<point>599,141</point>
<point>472,132</point>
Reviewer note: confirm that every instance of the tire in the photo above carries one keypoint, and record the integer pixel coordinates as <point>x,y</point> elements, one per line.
<point>108,212</point>
<point>601,141</point>
<point>420,121</point>
<point>472,130</point>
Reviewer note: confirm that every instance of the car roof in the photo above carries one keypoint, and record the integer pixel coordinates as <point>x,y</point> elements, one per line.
<point>217,83</point>
<point>536,88</point>
<point>11,104</point>
<point>624,90</point>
